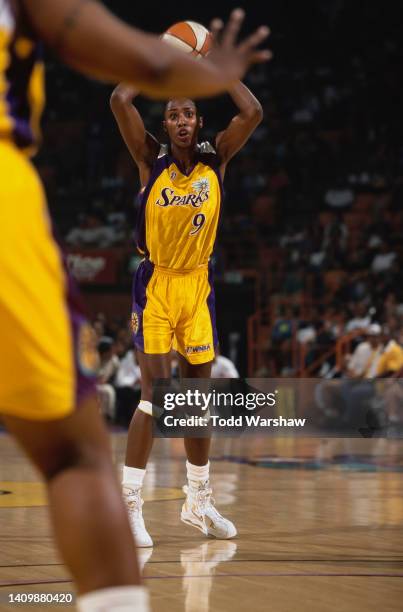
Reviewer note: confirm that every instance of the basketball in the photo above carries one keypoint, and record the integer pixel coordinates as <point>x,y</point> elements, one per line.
<point>189,36</point>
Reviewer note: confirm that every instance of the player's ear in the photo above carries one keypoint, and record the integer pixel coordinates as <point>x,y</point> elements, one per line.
<point>201,123</point>
<point>164,126</point>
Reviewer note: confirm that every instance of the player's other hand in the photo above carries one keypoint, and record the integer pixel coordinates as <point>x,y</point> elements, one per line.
<point>234,58</point>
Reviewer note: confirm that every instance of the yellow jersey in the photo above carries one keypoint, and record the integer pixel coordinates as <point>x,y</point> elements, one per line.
<point>391,359</point>
<point>21,77</point>
<point>179,211</point>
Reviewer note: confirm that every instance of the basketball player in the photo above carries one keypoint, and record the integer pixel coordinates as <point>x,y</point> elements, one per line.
<point>47,357</point>
<point>173,295</point>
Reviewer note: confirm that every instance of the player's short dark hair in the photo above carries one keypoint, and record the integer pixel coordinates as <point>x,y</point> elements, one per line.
<point>190,100</point>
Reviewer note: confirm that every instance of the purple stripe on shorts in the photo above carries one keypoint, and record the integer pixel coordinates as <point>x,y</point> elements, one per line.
<point>84,347</point>
<point>139,300</point>
<point>211,305</point>
<point>84,344</point>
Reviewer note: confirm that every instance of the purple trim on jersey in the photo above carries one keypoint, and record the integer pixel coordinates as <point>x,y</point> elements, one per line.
<point>139,299</point>
<point>18,75</point>
<point>211,160</point>
<point>220,182</point>
<point>211,305</point>
<point>159,166</point>
<point>222,194</point>
<point>178,164</point>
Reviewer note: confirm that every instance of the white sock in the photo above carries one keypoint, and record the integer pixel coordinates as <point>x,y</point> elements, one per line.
<point>115,599</point>
<point>197,474</point>
<point>133,477</point>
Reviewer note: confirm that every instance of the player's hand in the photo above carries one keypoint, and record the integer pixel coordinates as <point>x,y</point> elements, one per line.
<point>233,58</point>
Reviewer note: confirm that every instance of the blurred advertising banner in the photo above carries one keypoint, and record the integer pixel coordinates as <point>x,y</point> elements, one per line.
<point>279,407</point>
<point>94,266</point>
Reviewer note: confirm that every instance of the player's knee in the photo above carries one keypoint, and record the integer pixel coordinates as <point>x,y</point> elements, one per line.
<point>146,394</point>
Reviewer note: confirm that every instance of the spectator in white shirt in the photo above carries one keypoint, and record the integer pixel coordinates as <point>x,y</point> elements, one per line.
<point>128,374</point>
<point>383,261</point>
<point>106,376</point>
<point>360,320</point>
<point>92,232</point>
<point>223,368</point>
<point>339,197</point>
<point>363,362</point>
<point>365,367</point>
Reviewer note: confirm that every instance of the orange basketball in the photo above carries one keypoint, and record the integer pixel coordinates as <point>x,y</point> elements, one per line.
<point>190,37</point>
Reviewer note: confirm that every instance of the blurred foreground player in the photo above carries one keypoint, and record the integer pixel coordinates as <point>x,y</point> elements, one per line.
<point>47,358</point>
<point>173,295</point>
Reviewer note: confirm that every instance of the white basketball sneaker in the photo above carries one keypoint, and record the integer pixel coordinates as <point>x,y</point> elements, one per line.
<point>199,511</point>
<point>134,505</point>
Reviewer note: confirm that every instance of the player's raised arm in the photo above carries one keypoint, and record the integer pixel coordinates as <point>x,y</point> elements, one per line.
<point>232,139</point>
<point>92,40</point>
<point>142,145</point>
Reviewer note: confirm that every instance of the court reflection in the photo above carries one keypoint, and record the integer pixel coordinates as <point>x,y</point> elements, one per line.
<point>199,565</point>
<point>143,556</point>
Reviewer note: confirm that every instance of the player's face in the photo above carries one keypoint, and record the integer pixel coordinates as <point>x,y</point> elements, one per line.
<point>182,122</point>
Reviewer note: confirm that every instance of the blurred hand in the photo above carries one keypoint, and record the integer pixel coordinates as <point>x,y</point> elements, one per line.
<point>232,58</point>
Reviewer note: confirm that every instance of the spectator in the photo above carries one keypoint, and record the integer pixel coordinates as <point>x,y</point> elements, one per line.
<point>384,259</point>
<point>339,197</point>
<point>223,367</point>
<point>128,372</point>
<point>127,386</point>
<point>106,375</point>
<point>364,361</point>
<point>391,360</point>
<point>109,361</point>
<point>91,232</point>
<point>356,396</point>
<point>283,326</point>
<point>361,318</point>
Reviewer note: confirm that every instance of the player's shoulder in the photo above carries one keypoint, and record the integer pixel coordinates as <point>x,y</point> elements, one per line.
<point>164,151</point>
<point>208,154</point>
<point>205,148</point>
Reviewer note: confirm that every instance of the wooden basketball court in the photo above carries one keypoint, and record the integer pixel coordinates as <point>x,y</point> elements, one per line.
<point>320,528</point>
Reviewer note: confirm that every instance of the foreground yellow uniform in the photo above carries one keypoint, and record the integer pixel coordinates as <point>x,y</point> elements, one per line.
<point>173,294</point>
<point>46,359</point>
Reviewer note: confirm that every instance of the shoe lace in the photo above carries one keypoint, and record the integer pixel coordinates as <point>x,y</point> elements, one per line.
<point>204,499</point>
<point>134,504</point>
<point>205,502</point>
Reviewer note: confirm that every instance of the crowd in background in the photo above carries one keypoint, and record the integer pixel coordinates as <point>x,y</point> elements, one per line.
<point>314,201</point>
<point>375,354</point>
<point>368,385</point>
<point>119,375</point>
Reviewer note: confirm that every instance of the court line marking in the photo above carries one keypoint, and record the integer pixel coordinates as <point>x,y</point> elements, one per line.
<point>232,575</point>
<point>350,560</point>
<point>276,574</point>
<point>309,464</point>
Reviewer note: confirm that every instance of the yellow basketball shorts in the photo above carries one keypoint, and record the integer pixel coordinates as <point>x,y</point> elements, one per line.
<point>47,351</point>
<point>174,310</point>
